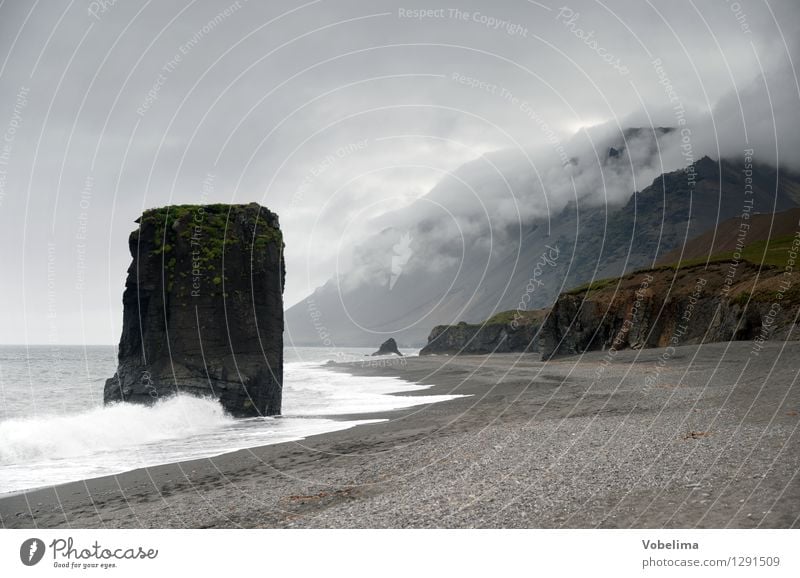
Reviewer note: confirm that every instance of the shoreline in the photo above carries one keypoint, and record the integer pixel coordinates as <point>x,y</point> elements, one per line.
<point>537,444</point>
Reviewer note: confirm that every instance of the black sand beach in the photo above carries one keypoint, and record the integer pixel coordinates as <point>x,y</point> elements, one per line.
<point>574,442</point>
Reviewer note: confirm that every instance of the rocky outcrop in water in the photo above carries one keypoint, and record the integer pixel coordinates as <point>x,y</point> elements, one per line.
<point>510,331</point>
<point>203,309</point>
<point>388,347</point>
<point>725,301</point>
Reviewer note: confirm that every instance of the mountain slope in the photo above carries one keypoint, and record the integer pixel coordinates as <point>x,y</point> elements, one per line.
<point>731,234</point>
<point>486,264</point>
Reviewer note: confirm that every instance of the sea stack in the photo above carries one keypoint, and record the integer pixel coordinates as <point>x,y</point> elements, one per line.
<point>203,309</point>
<point>388,347</point>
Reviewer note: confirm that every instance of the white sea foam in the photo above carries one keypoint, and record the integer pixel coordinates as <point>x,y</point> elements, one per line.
<point>317,391</point>
<point>106,429</point>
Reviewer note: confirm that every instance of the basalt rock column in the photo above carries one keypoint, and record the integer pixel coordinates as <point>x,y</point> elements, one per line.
<point>203,309</point>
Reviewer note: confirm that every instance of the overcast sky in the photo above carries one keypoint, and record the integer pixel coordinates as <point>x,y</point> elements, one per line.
<point>323,111</point>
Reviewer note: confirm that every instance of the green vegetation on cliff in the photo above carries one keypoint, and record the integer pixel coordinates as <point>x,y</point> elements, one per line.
<point>595,285</point>
<point>770,253</point>
<point>209,231</point>
<point>774,252</point>
<point>210,225</point>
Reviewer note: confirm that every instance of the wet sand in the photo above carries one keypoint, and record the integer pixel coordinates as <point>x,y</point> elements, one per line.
<point>574,442</point>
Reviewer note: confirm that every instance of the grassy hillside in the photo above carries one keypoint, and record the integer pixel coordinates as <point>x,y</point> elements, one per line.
<point>723,238</point>
<point>771,252</point>
<point>774,252</point>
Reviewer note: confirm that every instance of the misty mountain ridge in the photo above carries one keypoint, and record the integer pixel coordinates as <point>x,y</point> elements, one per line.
<point>513,229</point>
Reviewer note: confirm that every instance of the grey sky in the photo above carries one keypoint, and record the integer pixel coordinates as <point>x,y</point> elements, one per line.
<point>326,111</point>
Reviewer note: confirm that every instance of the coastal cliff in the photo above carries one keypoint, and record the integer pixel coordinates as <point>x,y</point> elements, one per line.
<point>725,301</point>
<point>203,309</point>
<point>510,331</point>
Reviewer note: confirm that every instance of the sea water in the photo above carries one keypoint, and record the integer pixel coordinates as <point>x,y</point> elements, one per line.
<point>54,427</point>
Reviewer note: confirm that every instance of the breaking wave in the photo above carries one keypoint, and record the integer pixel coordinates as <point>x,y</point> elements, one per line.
<point>107,429</point>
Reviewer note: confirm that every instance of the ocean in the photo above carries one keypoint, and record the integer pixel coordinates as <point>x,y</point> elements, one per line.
<point>54,427</point>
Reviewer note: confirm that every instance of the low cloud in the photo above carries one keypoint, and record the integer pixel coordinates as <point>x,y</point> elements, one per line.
<point>275,89</point>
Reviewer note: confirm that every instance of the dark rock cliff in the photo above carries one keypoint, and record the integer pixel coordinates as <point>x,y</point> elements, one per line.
<point>724,301</point>
<point>203,309</point>
<point>510,331</point>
